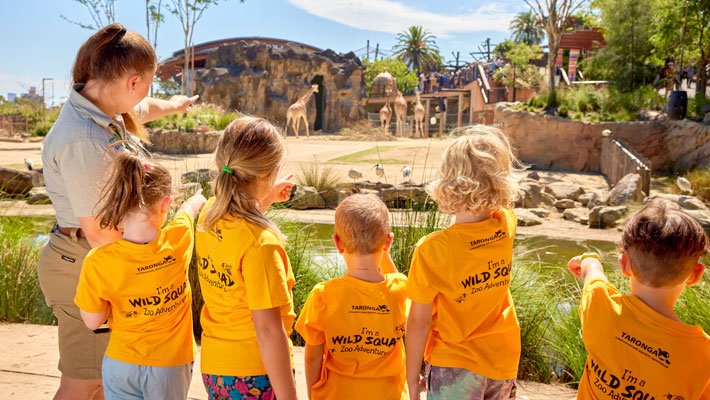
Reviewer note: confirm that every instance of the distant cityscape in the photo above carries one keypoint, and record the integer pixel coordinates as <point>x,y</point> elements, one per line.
<point>31,95</point>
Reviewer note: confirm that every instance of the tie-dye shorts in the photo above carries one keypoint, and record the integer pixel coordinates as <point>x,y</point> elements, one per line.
<point>459,383</point>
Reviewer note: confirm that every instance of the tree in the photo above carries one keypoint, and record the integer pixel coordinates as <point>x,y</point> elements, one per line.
<point>417,48</point>
<point>501,50</point>
<point>627,28</point>
<point>525,28</point>
<point>555,16</point>
<point>188,12</point>
<point>406,79</point>
<point>520,72</point>
<point>153,18</point>
<point>101,11</point>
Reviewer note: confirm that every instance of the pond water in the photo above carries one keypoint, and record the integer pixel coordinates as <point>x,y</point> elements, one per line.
<point>546,250</point>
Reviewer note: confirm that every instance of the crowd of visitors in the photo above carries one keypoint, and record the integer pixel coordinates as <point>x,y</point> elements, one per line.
<point>457,79</point>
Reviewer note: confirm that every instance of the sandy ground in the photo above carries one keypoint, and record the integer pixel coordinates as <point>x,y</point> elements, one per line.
<point>28,368</point>
<point>340,155</point>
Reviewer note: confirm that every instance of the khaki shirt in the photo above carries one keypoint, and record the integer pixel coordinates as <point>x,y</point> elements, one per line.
<point>74,157</point>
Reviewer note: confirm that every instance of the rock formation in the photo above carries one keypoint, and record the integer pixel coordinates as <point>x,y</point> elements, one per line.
<point>264,80</point>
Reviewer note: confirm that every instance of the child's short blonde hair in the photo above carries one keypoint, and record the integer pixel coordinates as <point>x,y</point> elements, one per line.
<point>476,172</point>
<point>362,223</point>
<point>663,244</point>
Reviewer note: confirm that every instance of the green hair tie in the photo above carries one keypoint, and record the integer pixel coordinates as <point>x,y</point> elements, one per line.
<point>227,170</point>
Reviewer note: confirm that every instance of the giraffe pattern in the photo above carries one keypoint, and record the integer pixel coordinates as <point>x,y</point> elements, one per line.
<point>297,112</point>
<point>419,118</point>
<point>400,109</point>
<point>386,113</point>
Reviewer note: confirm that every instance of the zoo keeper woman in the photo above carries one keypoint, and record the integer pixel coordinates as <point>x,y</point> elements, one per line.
<point>107,103</point>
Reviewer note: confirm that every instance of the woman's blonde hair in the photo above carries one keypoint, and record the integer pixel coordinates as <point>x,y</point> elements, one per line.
<point>252,149</point>
<point>476,172</point>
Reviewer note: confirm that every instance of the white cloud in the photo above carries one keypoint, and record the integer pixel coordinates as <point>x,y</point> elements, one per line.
<point>393,17</point>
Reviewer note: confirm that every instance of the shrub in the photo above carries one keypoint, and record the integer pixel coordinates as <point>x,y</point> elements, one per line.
<point>21,299</point>
<point>42,129</point>
<point>323,178</point>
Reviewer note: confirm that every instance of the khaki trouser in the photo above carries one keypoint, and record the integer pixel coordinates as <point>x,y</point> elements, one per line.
<point>81,350</point>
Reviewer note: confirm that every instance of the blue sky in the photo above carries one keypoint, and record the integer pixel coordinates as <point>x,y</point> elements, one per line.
<point>36,43</point>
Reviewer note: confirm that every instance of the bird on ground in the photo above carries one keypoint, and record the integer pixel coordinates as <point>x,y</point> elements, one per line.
<point>354,174</point>
<point>29,164</point>
<point>684,185</point>
<point>380,170</point>
<point>406,172</point>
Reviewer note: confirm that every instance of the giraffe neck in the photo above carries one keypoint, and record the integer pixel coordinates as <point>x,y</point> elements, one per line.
<point>306,97</point>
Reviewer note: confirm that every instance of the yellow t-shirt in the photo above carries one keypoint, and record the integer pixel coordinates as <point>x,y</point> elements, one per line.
<point>241,267</point>
<point>464,271</point>
<point>361,324</point>
<point>147,290</point>
<point>636,353</point>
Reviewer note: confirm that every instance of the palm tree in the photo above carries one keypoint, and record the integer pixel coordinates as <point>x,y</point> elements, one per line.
<point>417,49</point>
<point>526,29</point>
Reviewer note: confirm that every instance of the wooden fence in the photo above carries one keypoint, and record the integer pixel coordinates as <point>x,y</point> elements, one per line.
<point>11,124</point>
<point>618,159</point>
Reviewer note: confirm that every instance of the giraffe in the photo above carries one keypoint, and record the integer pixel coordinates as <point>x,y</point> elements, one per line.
<point>297,111</point>
<point>419,118</point>
<point>386,113</point>
<point>400,109</point>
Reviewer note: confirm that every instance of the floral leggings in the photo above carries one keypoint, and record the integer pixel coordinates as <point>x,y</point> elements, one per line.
<point>221,387</point>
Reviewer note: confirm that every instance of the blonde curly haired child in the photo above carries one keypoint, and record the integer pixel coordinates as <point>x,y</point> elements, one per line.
<point>462,319</point>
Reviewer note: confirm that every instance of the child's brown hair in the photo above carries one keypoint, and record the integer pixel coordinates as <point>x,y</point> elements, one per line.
<point>252,149</point>
<point>362,224</point>
<point>134,183</point>
<point>476,172</point>
<point>663,244</point>
<point>111,53</point>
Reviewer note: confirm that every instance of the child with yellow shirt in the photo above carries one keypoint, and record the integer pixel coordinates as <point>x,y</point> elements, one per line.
<point>462,319</point>
<point>245,275</point>
<point>353,325</point>
<point>140,283</point>
<point>638,347</point>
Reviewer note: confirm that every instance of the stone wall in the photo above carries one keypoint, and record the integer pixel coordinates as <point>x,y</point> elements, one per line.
<point>170,142</point>
<point>551,142</point>
<point>263,80</point>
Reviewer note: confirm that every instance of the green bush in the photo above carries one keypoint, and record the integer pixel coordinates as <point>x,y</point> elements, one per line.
<point>588,103</point>
<point>21,299</point>
<point>42,129</point>
<point>214,116</point>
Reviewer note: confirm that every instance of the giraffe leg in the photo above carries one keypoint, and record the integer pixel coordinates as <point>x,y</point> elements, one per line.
<point>305,122</point>
<point>296,125</point>
<point>288,122</point>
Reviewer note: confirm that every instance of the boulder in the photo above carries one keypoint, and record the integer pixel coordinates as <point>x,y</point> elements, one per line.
<point>526,218</point>
<point>264,80</point>
<point>304,198</point>
<point>564,190</point>
<point>38,195</point>
<point>16,182</point>
<point>540,212</point>
<point>584,199</point>
<point>580,215</point>
<point>534,176</point>
<point>702,216</point>
<point>530,195</point>
<point>565,204</point>
<point>685,202</point>
<point>171,142</point>
<point>605,217</point>
<point>402,196</point>
<point>599,198</point>
<point>629,188</point>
